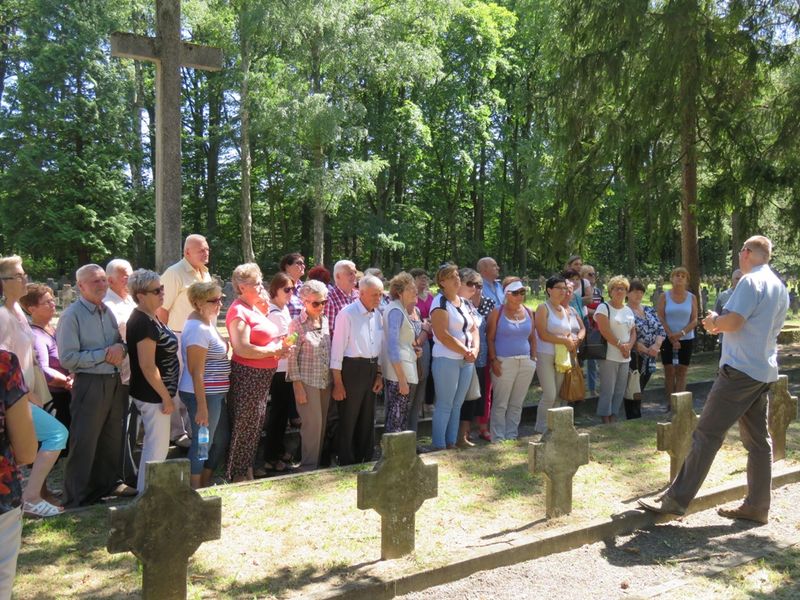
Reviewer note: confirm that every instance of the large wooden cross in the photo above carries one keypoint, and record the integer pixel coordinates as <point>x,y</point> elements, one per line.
<point>675,437</point>
<point>169,54</point>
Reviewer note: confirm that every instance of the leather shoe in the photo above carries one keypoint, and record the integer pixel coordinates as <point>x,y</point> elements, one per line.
<point>664,505</point>
<point>745,511</point>
<point>123,490</point>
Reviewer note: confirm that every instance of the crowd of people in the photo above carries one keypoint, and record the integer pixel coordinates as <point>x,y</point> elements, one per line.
<point>142,351</point>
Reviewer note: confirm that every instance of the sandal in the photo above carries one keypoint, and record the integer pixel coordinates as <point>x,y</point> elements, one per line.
<point>485,436</point>
<point>278,466</point>
<point>40,510</point>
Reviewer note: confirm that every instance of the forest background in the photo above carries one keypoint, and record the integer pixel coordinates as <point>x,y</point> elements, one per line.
<point>401,133</point>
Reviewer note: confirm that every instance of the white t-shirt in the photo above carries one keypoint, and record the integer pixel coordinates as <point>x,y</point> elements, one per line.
<point>459,325</point>
<point>622,322</point>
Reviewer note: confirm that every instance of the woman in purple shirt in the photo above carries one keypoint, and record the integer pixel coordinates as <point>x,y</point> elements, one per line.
<point>40,304</point>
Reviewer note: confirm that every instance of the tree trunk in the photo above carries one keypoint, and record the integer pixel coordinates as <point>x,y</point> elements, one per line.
<point>690,253</point>
<point>246,212</point>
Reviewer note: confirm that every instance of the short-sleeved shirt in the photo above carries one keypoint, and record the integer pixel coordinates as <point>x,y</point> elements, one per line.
<point>122,309</point>
<point>176,280</point>
<point>142,327</point>
<point>262,332</point>
<point>12,390</point>
<point>622,322</point>
<point>282,318</point>
<point>762,300</point>
<point>217,370</point>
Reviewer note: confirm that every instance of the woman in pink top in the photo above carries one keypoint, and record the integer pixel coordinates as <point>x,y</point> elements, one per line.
<point>257,347</point>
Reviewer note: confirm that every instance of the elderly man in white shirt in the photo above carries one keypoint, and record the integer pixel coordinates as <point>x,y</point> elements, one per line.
<point>355,356</point>
<point>177,308</point>
<point>119,301</point>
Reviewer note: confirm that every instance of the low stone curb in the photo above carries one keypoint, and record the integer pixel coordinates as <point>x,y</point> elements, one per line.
<point>521,550</point>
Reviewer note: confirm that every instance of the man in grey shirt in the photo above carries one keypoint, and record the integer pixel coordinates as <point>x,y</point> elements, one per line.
<point>89,345</point>
<point>751,320</point>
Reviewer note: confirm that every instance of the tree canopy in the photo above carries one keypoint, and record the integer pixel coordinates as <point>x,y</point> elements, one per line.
<point>398,134</point>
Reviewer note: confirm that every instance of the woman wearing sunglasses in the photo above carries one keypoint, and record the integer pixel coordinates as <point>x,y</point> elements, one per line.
<point>153,349</point>
<point>308,369</point>
<point>206,374</point>
<point>281,291</point>
<point>512,350</point>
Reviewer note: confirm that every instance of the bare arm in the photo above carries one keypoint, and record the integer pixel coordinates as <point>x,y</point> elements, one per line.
<point>439,321</point>
<point>196,365</point>
<point>540,321</point>
<point>240,340</point>
<point>146,350</point>
<point>19,425</point>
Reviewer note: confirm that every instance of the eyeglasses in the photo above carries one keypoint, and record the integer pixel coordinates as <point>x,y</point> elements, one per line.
<point>47,302</point>
<point>299,263</point>
<point>618,288</point>
<point>214,300</point>
<point>518,292</point>
<point>561,288</point>
<point>475,284</point>
<point>317,303</point>
<point>155,291</point>
<point>590,274</point>
<point>288,290</point>
<point>18,276</point>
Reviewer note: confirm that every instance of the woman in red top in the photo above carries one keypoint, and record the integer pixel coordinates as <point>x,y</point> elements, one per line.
<point>257,347</point>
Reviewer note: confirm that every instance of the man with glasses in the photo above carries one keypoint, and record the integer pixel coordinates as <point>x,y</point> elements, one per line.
<point>90,345</point>
<point>751,320</point>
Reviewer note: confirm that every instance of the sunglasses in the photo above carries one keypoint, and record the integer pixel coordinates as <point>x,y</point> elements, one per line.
<point>518,292</point>
<point>475,284</point>
<point>288,290</point>
<point>214,300</point>
<point>317,303</point>
<point>155,291</point>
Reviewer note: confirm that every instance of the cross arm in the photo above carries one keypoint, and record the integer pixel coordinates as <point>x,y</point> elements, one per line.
<point>139,47</point>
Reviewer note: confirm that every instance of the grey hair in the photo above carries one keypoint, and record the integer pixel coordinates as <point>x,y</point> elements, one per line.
<point>140,280</point>
<point>117,264</point>
<point>376,271</point>
<point>84,271</point>
<point>246,273</point>
<point>9,262</point>
<point>370,281</point>
<point>467,274</point>
<point>193,238</point>
<point>312,287</point>
<point>343,264</point>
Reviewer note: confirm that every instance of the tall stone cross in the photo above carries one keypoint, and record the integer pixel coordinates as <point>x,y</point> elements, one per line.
<point>558,455</point>
<point>675,437</point>
<point>169,54</point>
<point>782,411</point>
<point>164,527</point>
<point>396,488</point>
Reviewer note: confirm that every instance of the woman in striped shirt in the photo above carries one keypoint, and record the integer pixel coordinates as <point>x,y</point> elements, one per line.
<point>206,371</point>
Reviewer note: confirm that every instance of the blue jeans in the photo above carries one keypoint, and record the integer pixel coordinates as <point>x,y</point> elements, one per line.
<point>451,378</point>
<point>214,403</point>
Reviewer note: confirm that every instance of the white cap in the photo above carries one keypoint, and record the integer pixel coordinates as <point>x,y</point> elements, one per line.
<point>513,287</point>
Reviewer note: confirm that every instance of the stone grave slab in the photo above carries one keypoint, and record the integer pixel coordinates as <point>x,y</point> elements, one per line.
<point>675,437</point>
<point>396,488</point>
<point>782,411</point>
<point>163,527</point>
<point>558,455</point>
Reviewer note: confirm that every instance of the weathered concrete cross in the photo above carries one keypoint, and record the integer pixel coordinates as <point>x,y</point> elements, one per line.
<point>675,438</point>
<point>782,411</point>
<point>396,487</point>
<point>169,54</point>
<point>558,455</point>
<point>164,527</point>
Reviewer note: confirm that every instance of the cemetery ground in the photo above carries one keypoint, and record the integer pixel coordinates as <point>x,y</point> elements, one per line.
<point>302,536</point>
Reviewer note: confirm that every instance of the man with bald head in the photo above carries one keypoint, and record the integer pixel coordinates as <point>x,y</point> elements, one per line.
<point>490,273</point>
<point>89,345</point>
<point>177,308</point>
<point>751,319</point>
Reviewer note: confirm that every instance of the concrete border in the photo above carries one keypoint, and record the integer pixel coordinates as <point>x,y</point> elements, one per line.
<point>562,540</point>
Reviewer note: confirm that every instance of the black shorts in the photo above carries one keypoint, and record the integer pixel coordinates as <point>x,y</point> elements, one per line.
<point>684,354</point>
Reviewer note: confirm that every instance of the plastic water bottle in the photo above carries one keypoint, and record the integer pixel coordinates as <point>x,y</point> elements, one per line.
<point>674,358</point>
<point>202,443</point>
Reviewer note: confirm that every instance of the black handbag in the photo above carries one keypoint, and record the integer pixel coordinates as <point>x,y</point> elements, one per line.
<point>594,344</point>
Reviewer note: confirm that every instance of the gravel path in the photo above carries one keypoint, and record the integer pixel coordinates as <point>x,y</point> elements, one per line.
<point>646,564</point>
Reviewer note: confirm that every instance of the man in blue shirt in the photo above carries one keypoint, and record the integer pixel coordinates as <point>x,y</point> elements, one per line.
<point>751,320</point>
<point>490,272</point>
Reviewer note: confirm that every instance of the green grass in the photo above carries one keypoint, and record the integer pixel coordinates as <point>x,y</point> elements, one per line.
<point>296,537</point>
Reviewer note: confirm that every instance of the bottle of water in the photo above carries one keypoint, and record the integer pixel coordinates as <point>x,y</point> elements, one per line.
<point>202,443</point>
<point>674,358</point>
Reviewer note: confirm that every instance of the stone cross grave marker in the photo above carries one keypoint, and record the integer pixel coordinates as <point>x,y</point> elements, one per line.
<point>675,437</point>
<point>169,54</point>
<point>396,488</point>
<point>164,527</point>
<point>782,411</point>
<point>558,455</point>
